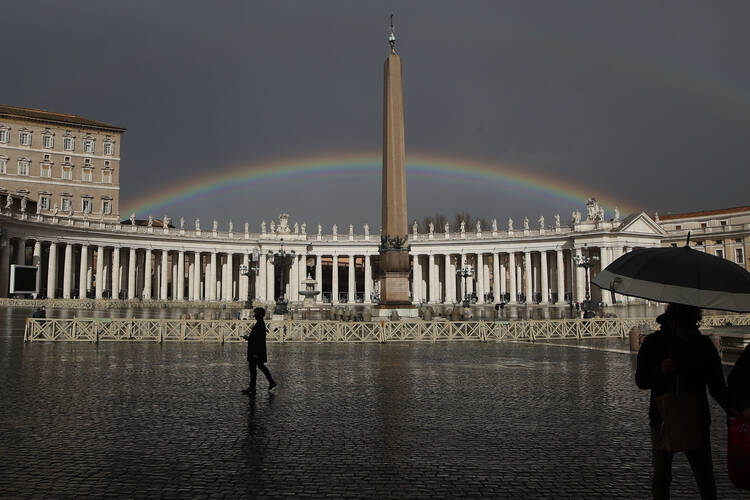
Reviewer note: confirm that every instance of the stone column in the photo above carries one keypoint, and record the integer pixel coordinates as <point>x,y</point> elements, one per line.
<point>450,278</point>
<point>368,280</point>
<point>461,281</point>
<point>616,254</point>
<point>147,268</point>
<point>5,266</point>
<point>52,271</point>
<point>229,295</point>
<point>496,276</point>
<point>211,277</point>
<point>67,271</point>
<point>271,281</point>
<point>416,288</point>
<point>260,278</point>
<point>293,279</point>
<point>116,273</point>
<point>99,271</point>
<point>528,278</point>
<point>431,278</point>
<point>513,278</point>
<point>352,285</point>
<point>131,272</point>
<point>180,275</point>
<point>245,279</point>
<point>196,293</point>
<point>580,279</point>
<point>480,278</point>
<point>21,252</point>
<point>560,277</point>
<point>503,288</point>
<point>164,279</point>
<point>604,261</point>
<point>545,279</point>
<point>319,277</point>
<point>335,280</point>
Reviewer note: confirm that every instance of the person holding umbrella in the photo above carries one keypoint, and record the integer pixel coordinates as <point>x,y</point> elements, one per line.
<point>677,362</point>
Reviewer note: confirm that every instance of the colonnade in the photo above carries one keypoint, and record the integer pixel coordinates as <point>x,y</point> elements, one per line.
<point>99,271</point>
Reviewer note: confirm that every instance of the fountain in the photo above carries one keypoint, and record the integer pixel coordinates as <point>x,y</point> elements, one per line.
<point>309,292</point>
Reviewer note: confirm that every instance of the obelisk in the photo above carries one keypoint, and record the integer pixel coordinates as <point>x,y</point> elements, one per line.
<point>394,252</point>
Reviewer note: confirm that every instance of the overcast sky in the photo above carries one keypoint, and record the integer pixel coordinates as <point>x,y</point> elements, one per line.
<point>647,102</point>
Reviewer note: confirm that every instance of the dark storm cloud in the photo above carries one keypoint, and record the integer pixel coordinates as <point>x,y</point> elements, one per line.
<point>646,101</point>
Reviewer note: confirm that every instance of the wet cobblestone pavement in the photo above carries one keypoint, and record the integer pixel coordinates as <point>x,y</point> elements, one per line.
<point>397,420</point>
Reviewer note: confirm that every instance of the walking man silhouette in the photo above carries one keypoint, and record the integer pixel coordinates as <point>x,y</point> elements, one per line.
<point>256,351</point>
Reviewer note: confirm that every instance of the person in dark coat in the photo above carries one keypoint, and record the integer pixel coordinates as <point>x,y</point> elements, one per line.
<point>739,385</point>
<point>678,349</point>
<point>256,351</point>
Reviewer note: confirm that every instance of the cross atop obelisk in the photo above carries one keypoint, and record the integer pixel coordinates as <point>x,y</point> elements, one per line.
<point>394,252</point>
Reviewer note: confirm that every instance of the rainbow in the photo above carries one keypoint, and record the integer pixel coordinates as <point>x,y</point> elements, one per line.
<point>462,168</point>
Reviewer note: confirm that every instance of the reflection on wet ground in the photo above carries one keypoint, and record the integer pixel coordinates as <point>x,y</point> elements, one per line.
<point>369,420</point>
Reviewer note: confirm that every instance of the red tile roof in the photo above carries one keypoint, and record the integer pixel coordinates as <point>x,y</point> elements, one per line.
<point>703,213</point>
<point>56,118</point>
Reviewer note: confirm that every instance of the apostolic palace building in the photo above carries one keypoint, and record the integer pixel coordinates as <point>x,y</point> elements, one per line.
<point>59,210</point>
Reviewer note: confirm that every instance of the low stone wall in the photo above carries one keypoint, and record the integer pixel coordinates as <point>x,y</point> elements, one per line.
<point>116,304</point>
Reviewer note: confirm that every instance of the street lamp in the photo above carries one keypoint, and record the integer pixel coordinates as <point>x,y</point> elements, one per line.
<point>586,261</point>
<point>248,271</point>
<point>466,272</point>
<point>283,259</point>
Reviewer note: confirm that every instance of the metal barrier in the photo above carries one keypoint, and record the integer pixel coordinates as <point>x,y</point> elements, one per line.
<point>186,330</point>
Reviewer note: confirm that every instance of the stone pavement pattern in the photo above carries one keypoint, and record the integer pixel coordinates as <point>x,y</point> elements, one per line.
<point>397,420</point>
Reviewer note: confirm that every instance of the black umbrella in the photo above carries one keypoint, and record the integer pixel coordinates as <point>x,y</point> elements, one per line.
<point>679,275</point>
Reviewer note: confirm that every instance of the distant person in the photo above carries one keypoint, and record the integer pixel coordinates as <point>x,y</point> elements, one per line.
<point>676,363</point>
<point>256,351</point>
<point>739,385</point>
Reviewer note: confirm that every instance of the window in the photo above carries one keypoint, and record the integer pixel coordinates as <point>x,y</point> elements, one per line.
<point>44,202</point>
<point>67,173</point>
<point>723,222</point>
<point>678,227</point>
<point>703,225</point>
<point>86,205</point>
<point>4,134</point>
<point>45,171</point>
<point>106,207</point>
<point>46,157</point>
<point>720,253</point>
<point>109,148</point>
<point>87,161</point>
<point>106,177</point>
<point>739,255</point>
<point>3,164</point>
<point>88,146</point>
<point>86,175</point>
<point>23,167</point>
<point>48,141</point>
<point>67,159</point>
<point>69,143</point>
<point>66,204</point>
<point>24,138</point>
<point>673,245</point>
<point>106,163</point>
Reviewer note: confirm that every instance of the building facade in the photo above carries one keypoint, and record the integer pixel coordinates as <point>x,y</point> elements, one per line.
<point>83,258</point>
<point>65,163</point>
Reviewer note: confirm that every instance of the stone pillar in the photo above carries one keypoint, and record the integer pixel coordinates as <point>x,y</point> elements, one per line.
<point>431,295</point>
<point>21,252</point>
<point>545,278</point>
<point>260,278</point>
<point>496,277</point>
<point>180,275</point>
<point>245,279</point>
<point>5,266</point>
<point>293,279</point>
<point>335,280</point>
<point>99,271</point>
<point>416,287</point>
<point>164,275</point>
<point>196,288</point>
<point>560,277</point>
<point>503,289</point>
<point>271,281</point>
<point>229,295</point>
<point>319,277</point>
<point>616,254</point>
<point>116,273</point>
<point>352,285</point>
<point>368,280</point>
<point>480,278</point>
<point>132,265</point>
<point>580,279</point>
<point>211,277</point>
<point>67,271</point>
<point>147,269</point>
<point>528,277</point>
<point>605,260</point>
<point>461,281</point>
<point>450,278</point>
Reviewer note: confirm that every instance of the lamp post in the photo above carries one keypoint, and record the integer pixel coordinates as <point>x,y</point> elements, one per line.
<point>251,270</point>
<point>283,259</point>
<point>586,261</point>
<point>466,272</point>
